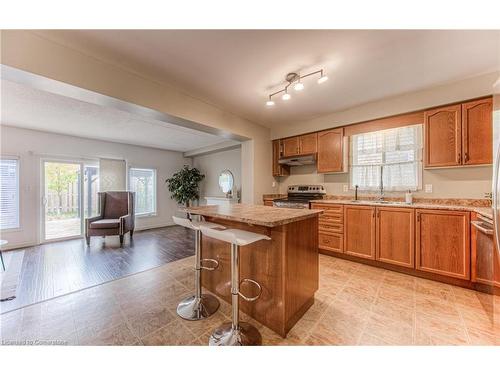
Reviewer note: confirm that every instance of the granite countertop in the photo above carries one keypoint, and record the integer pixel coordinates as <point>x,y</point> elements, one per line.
<point>485,211</point>
<point>273,196</point>
<point>254,214</point>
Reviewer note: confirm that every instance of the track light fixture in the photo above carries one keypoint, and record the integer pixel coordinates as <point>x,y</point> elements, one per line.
<point>298,85</point>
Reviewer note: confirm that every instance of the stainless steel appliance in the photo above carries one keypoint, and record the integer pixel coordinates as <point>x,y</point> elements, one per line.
<point>299,160</point>
<point>496,163</point>
<point>299,196</point>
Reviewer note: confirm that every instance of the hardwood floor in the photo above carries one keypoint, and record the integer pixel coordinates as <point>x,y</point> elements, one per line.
<point>58,268</point>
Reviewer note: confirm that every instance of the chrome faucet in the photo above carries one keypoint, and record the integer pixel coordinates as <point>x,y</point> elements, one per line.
<point>381,197</point>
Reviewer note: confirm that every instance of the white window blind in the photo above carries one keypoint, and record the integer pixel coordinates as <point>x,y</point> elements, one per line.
<point>393,153</point>
<point>143,182</point>
<point>9,193</point>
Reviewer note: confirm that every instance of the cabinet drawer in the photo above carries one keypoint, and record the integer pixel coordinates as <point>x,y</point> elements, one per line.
<point>328,208</point>
<point>335,228</point>
<point>331,219</point>
<point>332,242</point>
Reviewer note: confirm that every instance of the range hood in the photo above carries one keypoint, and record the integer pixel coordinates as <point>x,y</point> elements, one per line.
<point>299,160</point>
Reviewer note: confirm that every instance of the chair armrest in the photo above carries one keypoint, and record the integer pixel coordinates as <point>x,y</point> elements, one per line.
<point>90,220</point>
<point>126,223</point>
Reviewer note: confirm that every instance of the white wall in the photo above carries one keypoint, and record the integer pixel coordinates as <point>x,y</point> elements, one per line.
<point>30,146</point>
<point>211,165</point>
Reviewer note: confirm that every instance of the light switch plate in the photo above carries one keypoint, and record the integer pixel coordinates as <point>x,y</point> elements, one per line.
<point>274,183</point>
<point>428,188</point>
<point>345,188</point>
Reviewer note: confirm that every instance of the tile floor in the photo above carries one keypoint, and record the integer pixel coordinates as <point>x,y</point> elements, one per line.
<point>355,305</point>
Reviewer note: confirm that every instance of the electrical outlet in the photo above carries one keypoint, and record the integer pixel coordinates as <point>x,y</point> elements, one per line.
<point>274,183</point>
<point>345,188</point>
<point>428,188</point>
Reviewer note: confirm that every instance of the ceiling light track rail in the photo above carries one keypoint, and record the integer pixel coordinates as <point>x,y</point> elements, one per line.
<point>295,79</point>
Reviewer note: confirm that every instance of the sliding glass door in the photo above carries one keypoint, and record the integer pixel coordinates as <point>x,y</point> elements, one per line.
<point>70,195</point>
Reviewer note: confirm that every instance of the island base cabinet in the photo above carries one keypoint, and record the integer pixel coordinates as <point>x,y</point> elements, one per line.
<point>359,231</point>
<point>396,236</point>
<point>287,268</point>
<point>443,242</point>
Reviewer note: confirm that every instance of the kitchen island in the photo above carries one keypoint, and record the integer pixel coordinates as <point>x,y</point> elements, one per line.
<point>286,267</point>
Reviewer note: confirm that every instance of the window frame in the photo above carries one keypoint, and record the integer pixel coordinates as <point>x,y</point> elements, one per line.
<point>419,161</point>
<point>155,186</point>
<point>19,192</point>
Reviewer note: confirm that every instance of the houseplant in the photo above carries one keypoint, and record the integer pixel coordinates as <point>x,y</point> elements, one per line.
<point>184,185</point>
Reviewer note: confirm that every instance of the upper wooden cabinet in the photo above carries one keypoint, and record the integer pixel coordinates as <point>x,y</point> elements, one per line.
<point>443,242</point>
<point>359,231</point>
<point>477,132</point>
<point>331,151</point>
<point>443,134</point>
<point>396,236</point>
<point>459,134</point>
<point>300,145</point>
<point>278,169</point>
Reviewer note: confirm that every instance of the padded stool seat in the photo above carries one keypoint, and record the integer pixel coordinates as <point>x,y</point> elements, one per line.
<point>236,333</point>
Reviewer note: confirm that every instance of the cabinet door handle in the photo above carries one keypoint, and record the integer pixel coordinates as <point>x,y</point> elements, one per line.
<point>418,217</point>
<point>466,157</point>
<point>459,157</point>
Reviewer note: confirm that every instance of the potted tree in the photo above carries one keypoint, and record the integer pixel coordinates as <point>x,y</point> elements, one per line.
<point>184,185</point>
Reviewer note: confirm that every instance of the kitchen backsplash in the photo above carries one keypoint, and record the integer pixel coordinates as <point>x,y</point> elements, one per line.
<point>470,182</point>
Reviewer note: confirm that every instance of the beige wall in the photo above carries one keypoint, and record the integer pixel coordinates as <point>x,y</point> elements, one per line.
<point>32,146</point>
<point>466,89</point>
<point>36,54</point>
<point>211,165</point>
<point>469,182</point>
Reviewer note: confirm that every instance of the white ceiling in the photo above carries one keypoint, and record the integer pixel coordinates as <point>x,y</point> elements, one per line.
<point>26,107</point>
<point>237,69</point>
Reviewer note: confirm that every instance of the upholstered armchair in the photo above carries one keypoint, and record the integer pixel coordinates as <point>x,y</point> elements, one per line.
<point>116,216</point>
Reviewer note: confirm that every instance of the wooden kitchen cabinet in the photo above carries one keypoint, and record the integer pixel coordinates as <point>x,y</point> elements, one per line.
<point>331,227</point>
<point>359,231</point>
<point>485,260</point>
<point>395,236</point>
<point>460,134</point>
<point>443,136</point>
<point>443,242</point>
<point>477,132</point>
<point>300,145</point>
<point>331,151</point>
<point>278,169</point>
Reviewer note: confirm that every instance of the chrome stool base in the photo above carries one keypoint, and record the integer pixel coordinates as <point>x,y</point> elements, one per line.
<point>245,334</point>
<point>192,308</point>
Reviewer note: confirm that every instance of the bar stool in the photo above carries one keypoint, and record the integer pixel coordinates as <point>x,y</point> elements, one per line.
<point>236,333</point>
<point>199,306</point>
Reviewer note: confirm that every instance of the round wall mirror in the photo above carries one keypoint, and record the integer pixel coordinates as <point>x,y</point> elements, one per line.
<point>226,181</point>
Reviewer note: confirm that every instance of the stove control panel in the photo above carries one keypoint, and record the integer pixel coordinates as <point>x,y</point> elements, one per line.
<point>310,189</point>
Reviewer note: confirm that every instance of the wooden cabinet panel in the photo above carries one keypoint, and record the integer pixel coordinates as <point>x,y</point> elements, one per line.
<point>331,242</point>
<point>396,236</point>
<point>290,146</point>
<point>278,169</point>
<point>477,132</point>
<point>485,260</point>
<point>359,231</point>
<point>268,202</point>
<point>331,150</point>
<point>443,138</point>
<point>308,143</point>
<point>443,242</point>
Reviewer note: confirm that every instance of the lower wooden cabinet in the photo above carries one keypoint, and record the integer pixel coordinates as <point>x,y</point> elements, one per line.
<point>443,242</point>
<point>331,242</point>
<point>359,231</point>
<point>485,260</point>
<point>395,238</point>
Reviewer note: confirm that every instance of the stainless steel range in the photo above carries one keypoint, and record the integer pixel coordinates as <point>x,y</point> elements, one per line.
<point>300,195</point>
